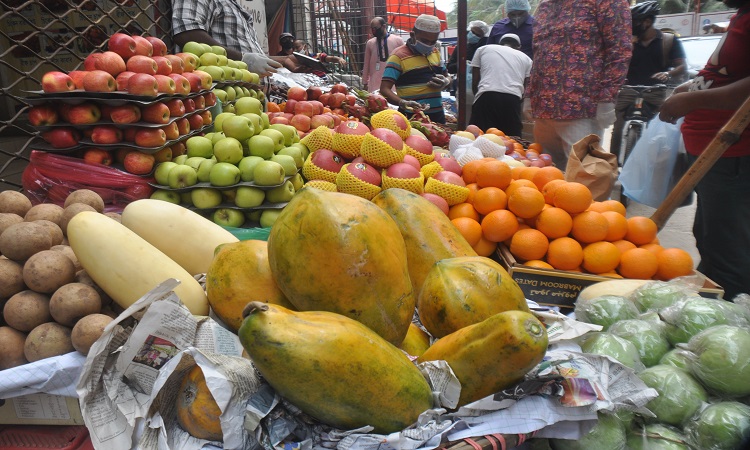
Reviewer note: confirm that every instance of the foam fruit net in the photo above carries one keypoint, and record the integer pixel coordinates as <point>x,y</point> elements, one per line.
<point>421,157</point>
<point>312,172</point>
<point>415,185</point>
<point>347,145</point>
<point>450,192</point>
<point>429,170</point>
<point>318,138</point>
<point>385,119</point>
<point>378,153</point>
<point>348,183</point>
<point>322,185</point>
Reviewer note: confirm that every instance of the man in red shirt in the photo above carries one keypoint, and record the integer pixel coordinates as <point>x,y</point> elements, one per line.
<point>722,217</point>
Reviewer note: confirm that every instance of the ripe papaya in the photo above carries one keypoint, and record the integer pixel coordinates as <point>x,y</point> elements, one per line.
<point>240,274</point>
<point>416,342</point>
<point>334,368</point>
<point>428,233</point>
<point>197,411</point>
<point>459,292</point>
<point>337,252</point>
<point>491,355</point>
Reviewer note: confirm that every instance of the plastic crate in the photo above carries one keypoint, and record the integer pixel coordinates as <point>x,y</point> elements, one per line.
<point>30,437</point>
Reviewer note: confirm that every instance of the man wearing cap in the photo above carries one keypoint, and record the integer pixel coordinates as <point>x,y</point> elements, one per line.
<point>476,36</point>
<point>286,41</point>
<point>417,71</point>
<point>518,22</point>
<point>499,77</point>
<point>377,51</point>
<point>289,46</point>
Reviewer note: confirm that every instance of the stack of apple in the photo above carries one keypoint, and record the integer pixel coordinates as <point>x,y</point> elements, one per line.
<point>308,109</point>
<point>246,169</point>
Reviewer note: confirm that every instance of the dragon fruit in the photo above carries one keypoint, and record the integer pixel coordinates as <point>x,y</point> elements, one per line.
<point>376,103</point>
<point>357,111</point>
<point>437,134</point>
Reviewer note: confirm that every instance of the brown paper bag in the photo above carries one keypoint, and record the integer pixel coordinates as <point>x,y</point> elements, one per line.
<point>590,165</point>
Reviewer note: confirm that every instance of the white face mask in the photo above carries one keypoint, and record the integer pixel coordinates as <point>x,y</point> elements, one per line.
<point>517,21</point>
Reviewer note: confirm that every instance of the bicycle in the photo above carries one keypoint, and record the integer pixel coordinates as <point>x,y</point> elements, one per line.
<point>637,114</point>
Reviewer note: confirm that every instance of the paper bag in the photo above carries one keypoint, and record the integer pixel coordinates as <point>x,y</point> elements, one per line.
<point>591,166</point>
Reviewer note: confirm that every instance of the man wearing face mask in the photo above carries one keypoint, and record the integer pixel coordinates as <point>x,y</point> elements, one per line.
<point>417,72</point>
<point>518,22</point>
<point>476,36</point>
<point>377,52</point>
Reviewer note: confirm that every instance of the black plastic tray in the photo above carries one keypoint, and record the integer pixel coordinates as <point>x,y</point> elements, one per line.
<point>205,184</point>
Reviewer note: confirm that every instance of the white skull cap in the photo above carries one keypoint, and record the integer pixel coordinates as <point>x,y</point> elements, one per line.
<point>428,23</point>
<point>511,36</point>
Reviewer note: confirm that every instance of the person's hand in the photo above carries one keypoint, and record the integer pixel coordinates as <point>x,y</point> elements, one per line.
<point>260,64</point>
<point>526,110</point>
<point>439,82</point>
<point>674,107</point>
<point>661,76</point>
<point>605,114</point>
<point>411,105</point>
<point>340,61</point>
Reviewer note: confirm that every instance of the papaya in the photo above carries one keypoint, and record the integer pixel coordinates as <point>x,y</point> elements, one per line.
<point>240,274</point>
<point>336,252</point>
<point>491,355</point>
<point>334,368</point>
<point>459,292</point>
<point>428,233</point>
<point>197,411</point>
<point>416,342</point>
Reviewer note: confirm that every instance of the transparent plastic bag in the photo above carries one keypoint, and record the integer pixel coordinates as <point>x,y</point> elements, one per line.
<point>647,336</point>
<point>721,360</point>
<point>720,426</point>
<point>680,395</point>
<point>613,346</point>
<point>608,433</point>
<point>693,314</point>
<point>605,310</point>
<point>657,437</point>
<point>657,295</point>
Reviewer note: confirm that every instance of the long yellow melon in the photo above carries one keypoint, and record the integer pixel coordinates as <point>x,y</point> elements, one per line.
<point>125,265</point>
<point>185,236</point>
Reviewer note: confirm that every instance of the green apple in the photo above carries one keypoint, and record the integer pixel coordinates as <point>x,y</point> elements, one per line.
<point>253,216</point>
<point>167,196</point>
<point>256,77</point>
<point>295,153</point>
<point>209,59</point>
<point>221,94</point>
<point>268,173</point>
<point>268,217</point>
<point>228,150</point>
<point>248,105</point>
<point>195,162</point>
<point>199,146</point>
<point>277,136</point>
<point>245,75</point>
<point>228,217</point>
<point>193,47</point>
<point>216,72</point>
<point>255,119</point>
<point>232,63</point>
<point>182,176</point>
<point>242,64</point>
<point>287,130</point>
<point>229,195</point>
<point>281,194</point>
<point>301,146</point>
<point>249,197</point>
<point>266,122</point>
<point>297,181</point>
<point>219,50</point>
<point>296,139</point>
<point>219,120</point>
<point>223,60</point>
<point>247,166</point>
<point>217,137</point>
<point>228,73</point>
<point>204,198</point>
<point>206,48</point>
<point>287,162</point>
<point>228,108</point>
<point>238,127</point>
<point>231,96</point>
<point>262,146</point>
<point>204,170</point>
<point>180,160</point>
<point>186,199</point>
<point>224,174</point>
<point>250,93</point>
<point>162,172</point>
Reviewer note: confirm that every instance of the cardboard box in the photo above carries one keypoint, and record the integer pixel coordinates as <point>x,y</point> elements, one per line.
<point>40,409</point>
<point>561,287</point>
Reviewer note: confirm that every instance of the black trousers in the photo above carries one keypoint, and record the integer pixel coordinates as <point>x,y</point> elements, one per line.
<point>498,110</point>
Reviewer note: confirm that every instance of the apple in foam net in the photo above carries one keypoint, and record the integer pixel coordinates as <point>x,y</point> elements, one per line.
<point>402,170</point>
<point>122,80</point>
<point>122,44</point>
<point>412,161</point>
<point>42,115</point>
<point>106,134</point>
<point>159,48</point>
<point>143,84</point>
<point>78,76</point>
<point>57,82</point>
<point>62,137</point>
<point>364,172</point>
<point>99,81</point>
<point>389,137</point>
<point>446,176</point>
<point>142,64</point>
<point>155,113</point>
<point>150,137</point>
<point>143,47</point>
<point>438,201</point>
<point>352,127</point>
<point>327,160</point>
<point>111,63</point>
<point>181,84</point>
<point>97,156</point>
<point>420,144</point>
<point>165,84</point>
<point>163,65</point>
<point>138,163</point>
<point>450,164</point>
<point>83,114</point>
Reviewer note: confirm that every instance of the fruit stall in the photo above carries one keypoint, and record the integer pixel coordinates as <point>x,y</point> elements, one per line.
<point>192,264</point>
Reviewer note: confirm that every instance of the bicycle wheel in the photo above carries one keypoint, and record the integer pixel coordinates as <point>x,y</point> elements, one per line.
<point>631,137</point>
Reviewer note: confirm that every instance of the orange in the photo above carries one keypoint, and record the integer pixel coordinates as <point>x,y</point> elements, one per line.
<point>638,263</point>
<point>545,175</point>
<point>600,257</point>
<point>469,170</point>
<point>655,241</point>
<point>589,226</point>
<point>470,229</point>
<point>515,184</point>
<point>549,190</point>
<point>499,225</point>
<point>565,254</point>
<point>516,172</point>
<point>521,226</point>
<point>610,274</point>
<point>653,248</point>
<point>528,173</point>
<point>624,245</point>
<point>572,197</point>
<point>538,263</point>
<point>494,174</point>
<point>536,146</point>
<point>618,226</point>
<point>673,262</point>
<point>463,210</point>
<point>641,230</point>
<point>554,222</point>
<point>519,148</point>
<point>273,107</point>
<point>495,131</point>
<point>473,188</point>
<point>614,205</point>
<point>485,247</point>
<point>489,199</point>
<point>528,244</point>
<point>597,206</point>
<point>526,202</point>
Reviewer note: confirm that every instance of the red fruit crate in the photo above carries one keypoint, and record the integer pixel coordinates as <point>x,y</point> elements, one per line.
<point>30,437</point>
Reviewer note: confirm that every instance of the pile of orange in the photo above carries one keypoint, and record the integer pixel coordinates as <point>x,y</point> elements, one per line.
<point>548,222</point>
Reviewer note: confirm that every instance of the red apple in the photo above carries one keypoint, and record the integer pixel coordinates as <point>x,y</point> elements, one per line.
<point>138,163</point>
<point>182,85</point>
<point>97,156</point>
<point>206,116</point>
<point>194,80</point>
<point>288,117</point>
<point>143,84</point>
<point>171,130</point>
<point>200,102</point>
<point>475,130</point>
<point>324,98</point>
<point>139,191</point>
<point>437,200</point>
<point>189,60</point>
<point>314,92</point>
<point>90,62</point>
<point>446,176</point>
<point>547,158</point>
<point>163,155</point>
<point>450,164</point>
<point>206,79</point>
<point>290,105</point>
<point>43,115</point>
<point>339,88</point>
<point>279,119</point>
<point>412,161</point>
<point>296,93</point>
<point>78,76</point>
<point>209,99</point>
<point>158,46</point>
<point>389,137</point>
<point>351,99</point>
<point>62,137</point>
<point>142,64</point>
<point>321,120</point>
<point>304,108</point>
<point>402,170</point>
<point>178,149</point>
<point>165,84</point>
<point>111,63</point>
<point>365,172</point>
<point>57,82</point>
<point>122,80</point>
<point>163,65</point>
<point>99,81</point>
<point>419,143</point>
<point>183,126</point>
<point>106,110</point>
<point>327,160</point>
<point>336,119</point>
<point>317,107</point>
<point>150,137</point>
<point>195,120</point>
<point>336,100</point>
<point>122,44</point>
<point>106,134</point>
<point>143,47</point>
<point>358,159</point>
<point>83,114</point>
<point>178,65</point>
<point>127,113</point>
<point>155,113</point>
<point>300,122</point>
<point>176,107</point>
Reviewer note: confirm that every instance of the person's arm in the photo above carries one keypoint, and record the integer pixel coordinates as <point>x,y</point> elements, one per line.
<point>476,75</point>
<point>729,97</point>
<point>366,69</point>
<point>615,20</point>
<point>204,38</point>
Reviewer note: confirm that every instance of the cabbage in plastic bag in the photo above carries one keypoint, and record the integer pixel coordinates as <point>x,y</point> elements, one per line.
<point>648,338</point>
<point>680,395</point>
<point>605,310</point>
<point>659,294</point>
<point>721,426</point>
<point>693,314</point>
<point>678,358</point>
<point>657,437</point>
<point>609,433</point>
<point>721,359</point>
<point>614,346</point>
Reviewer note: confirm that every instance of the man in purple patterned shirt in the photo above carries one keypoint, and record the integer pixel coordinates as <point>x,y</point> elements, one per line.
<point>582,49</point>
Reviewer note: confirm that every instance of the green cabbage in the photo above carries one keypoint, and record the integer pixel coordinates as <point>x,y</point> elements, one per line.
<point>722,359</point>
<point>680,395</point>
<point>609,434</point>
<point>605,310</point>
<point>647,337</point>
<point>721,426</point>
<point>658,294</point>
<point>614,346</point>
